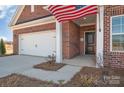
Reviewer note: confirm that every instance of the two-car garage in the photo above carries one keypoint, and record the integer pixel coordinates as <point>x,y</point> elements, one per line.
<point>41,43</point>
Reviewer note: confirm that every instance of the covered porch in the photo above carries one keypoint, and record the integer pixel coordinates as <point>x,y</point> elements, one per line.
<point>82,40</point>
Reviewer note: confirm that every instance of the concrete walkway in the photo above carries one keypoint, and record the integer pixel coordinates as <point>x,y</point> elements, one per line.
<point>24,65</point>
<point>81,61</point>
<point>64,74</point>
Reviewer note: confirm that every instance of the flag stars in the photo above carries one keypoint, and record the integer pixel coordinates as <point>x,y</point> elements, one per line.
<point>79,6</point>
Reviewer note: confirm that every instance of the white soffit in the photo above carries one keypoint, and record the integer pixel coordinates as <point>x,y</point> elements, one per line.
<point>91,19</point>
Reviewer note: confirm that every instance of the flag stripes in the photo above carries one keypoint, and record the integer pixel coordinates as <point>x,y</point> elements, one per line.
<point>70,12</point>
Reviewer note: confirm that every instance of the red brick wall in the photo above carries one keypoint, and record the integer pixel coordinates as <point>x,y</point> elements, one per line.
<point>65,35</point>
<point>27,15</point>
<point>74,40</point>
<point>88,28</point>
<point>115,59</point>
<point>38,28</point>
<point>15,43</point>
<point>83,29</point>
<point>71,38</point>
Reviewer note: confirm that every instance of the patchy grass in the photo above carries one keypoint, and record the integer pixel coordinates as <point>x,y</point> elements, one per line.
<point>52,66</point>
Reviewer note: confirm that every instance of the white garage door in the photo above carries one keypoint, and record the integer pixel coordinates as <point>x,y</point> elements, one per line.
<point>38,44</point>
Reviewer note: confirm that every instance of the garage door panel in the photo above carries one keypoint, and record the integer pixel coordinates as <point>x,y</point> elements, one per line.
<point>25,42</point>
<point>39,44</point>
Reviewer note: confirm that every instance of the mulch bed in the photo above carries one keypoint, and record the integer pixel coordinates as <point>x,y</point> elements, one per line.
<point>16,80</point>
<point>52,66</point>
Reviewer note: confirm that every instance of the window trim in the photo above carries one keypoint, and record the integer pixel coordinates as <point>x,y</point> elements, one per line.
<point>114,34</point>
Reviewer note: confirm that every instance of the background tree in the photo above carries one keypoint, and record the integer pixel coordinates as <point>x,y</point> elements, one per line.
<point>2,47</point>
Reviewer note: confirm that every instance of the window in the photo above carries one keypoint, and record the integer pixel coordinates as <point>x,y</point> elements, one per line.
<point>118,33</point>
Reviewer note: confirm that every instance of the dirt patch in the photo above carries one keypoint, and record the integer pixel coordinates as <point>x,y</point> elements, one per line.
<point>15,80</point>
<point>52,66</point>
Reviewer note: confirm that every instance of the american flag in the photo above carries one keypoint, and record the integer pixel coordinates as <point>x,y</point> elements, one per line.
<point>69,12</point>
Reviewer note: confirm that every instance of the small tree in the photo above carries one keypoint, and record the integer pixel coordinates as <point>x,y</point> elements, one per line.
<point>2,47</point>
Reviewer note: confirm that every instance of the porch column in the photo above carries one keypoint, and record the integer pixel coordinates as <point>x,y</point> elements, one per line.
<point>99,44</point>
<point>58,42</point>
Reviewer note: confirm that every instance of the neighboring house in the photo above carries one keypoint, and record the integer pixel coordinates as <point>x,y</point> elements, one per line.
<point>34,33</point>
<point>9,47</point>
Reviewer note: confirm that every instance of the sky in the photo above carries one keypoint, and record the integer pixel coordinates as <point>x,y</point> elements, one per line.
<point>6,13</point>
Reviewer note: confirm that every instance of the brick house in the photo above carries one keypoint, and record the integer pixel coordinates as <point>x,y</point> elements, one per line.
<point>35,32</point>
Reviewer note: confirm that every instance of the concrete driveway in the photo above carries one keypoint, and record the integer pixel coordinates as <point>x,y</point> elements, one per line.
<point>17,63</point>
<point>24,65</point>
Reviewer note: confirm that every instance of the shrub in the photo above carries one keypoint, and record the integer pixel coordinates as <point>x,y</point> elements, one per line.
<point>2,47</point>
<point>52,58</point>
<point>88,80</point>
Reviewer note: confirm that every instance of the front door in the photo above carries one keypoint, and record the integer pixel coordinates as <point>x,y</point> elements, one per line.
<point>90,43</point>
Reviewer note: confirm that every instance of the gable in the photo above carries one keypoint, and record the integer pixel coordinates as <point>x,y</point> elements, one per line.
<point>27,15</point>
<point>16,15</point>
